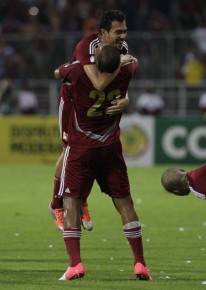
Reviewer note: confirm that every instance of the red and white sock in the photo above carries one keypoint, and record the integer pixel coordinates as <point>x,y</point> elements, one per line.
<point>72,238</point>
<point>133,233</point>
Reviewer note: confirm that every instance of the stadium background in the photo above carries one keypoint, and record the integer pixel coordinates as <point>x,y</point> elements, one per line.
<point>32,252</point>
<point>37,36</point>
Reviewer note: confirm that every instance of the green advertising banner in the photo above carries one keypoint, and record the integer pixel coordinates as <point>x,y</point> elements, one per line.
<point>180,141</point>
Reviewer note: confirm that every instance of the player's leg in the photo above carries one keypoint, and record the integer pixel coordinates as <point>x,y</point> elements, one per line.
<point>56,204</point>
<point>116,184</point>
<point>72,236</point>
<point>75,187</point>
<point>133,233</point>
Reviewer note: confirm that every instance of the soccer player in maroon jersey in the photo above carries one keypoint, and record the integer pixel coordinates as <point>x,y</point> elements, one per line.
<point>94,152</point>
<point>112,30</point>
<point>181,182</point>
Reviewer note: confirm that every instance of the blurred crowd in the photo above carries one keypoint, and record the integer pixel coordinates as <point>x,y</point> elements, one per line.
<point>35,16</point>
<point>27,46</point>
<point>39,35</point>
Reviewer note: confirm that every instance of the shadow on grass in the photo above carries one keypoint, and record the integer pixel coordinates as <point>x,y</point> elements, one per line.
<point>33,260</point>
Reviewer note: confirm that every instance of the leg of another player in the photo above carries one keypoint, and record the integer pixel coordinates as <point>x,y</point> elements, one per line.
<point>57,202</point>
<point>133,233</point>
<point>56,205</point>
<point>72,236</point>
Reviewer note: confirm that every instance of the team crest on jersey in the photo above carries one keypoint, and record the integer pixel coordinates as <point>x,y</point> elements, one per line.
<point>67,190</point>
<point>92,58</point>
<point>65,135</point>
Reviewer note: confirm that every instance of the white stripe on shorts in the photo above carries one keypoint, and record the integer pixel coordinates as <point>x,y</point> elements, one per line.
<point>61,189</point>
<point>61,105</point>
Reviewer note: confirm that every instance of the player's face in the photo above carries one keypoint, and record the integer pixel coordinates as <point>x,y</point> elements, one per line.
<point>116,35</point>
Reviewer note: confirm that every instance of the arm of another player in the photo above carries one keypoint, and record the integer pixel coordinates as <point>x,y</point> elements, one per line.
<point>127,58</point>
<point>57,73</point>
<point>119,105</point>
<point>101,80</point>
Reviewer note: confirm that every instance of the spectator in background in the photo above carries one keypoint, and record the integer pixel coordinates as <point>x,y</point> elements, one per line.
<point>89,26</point>
<point>27,101</point>
<point>149,102</point>
<point>199,36</point>
<point>11,63</point>
<point>202,104</point>
<point>194,69</point>
<point>8,98</point>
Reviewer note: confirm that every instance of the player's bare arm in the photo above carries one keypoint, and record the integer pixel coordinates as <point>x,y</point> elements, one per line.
<point>127,58</point>
<point>99,80</point>
<point>118,106</point>
<point>56,74</point>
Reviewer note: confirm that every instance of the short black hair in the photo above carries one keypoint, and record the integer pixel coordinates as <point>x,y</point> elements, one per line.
<point>107,17</point>
<point>108,59</point>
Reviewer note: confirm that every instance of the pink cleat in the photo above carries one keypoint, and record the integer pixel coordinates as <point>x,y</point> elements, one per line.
<point>141,272</point>
<point>75,272</point>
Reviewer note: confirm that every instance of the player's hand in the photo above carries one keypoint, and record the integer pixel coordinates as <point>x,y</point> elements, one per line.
<point>117,107</point>
<point>126,58</point>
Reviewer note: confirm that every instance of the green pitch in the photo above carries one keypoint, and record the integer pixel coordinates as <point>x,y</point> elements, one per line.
<point>33,254</point>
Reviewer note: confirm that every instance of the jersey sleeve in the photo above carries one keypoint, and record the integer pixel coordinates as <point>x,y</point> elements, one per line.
<point>134,66</point>
<point>85,50</point>
<point>130,68</point>
<point>69,72</point>
<point>124,48</point>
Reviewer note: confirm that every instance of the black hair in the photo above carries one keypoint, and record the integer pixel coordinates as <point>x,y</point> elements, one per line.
<point>108,59</point>
<point>107,17</point>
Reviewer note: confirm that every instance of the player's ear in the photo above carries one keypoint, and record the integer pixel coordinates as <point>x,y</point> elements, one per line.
<point>103,32</point>
<point>176,192</point>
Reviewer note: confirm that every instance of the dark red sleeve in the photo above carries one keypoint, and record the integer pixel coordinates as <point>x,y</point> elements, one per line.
<point>197,179</point>
<point>84,51</point>
<point>69,72</point>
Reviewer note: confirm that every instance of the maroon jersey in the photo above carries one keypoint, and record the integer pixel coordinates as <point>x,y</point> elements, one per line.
<point>85,49</point>
<point>89,126</point>
<point>84,52</point>
<point>197,181</point>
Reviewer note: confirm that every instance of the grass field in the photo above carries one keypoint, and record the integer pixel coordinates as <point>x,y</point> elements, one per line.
<point>33,254</point>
